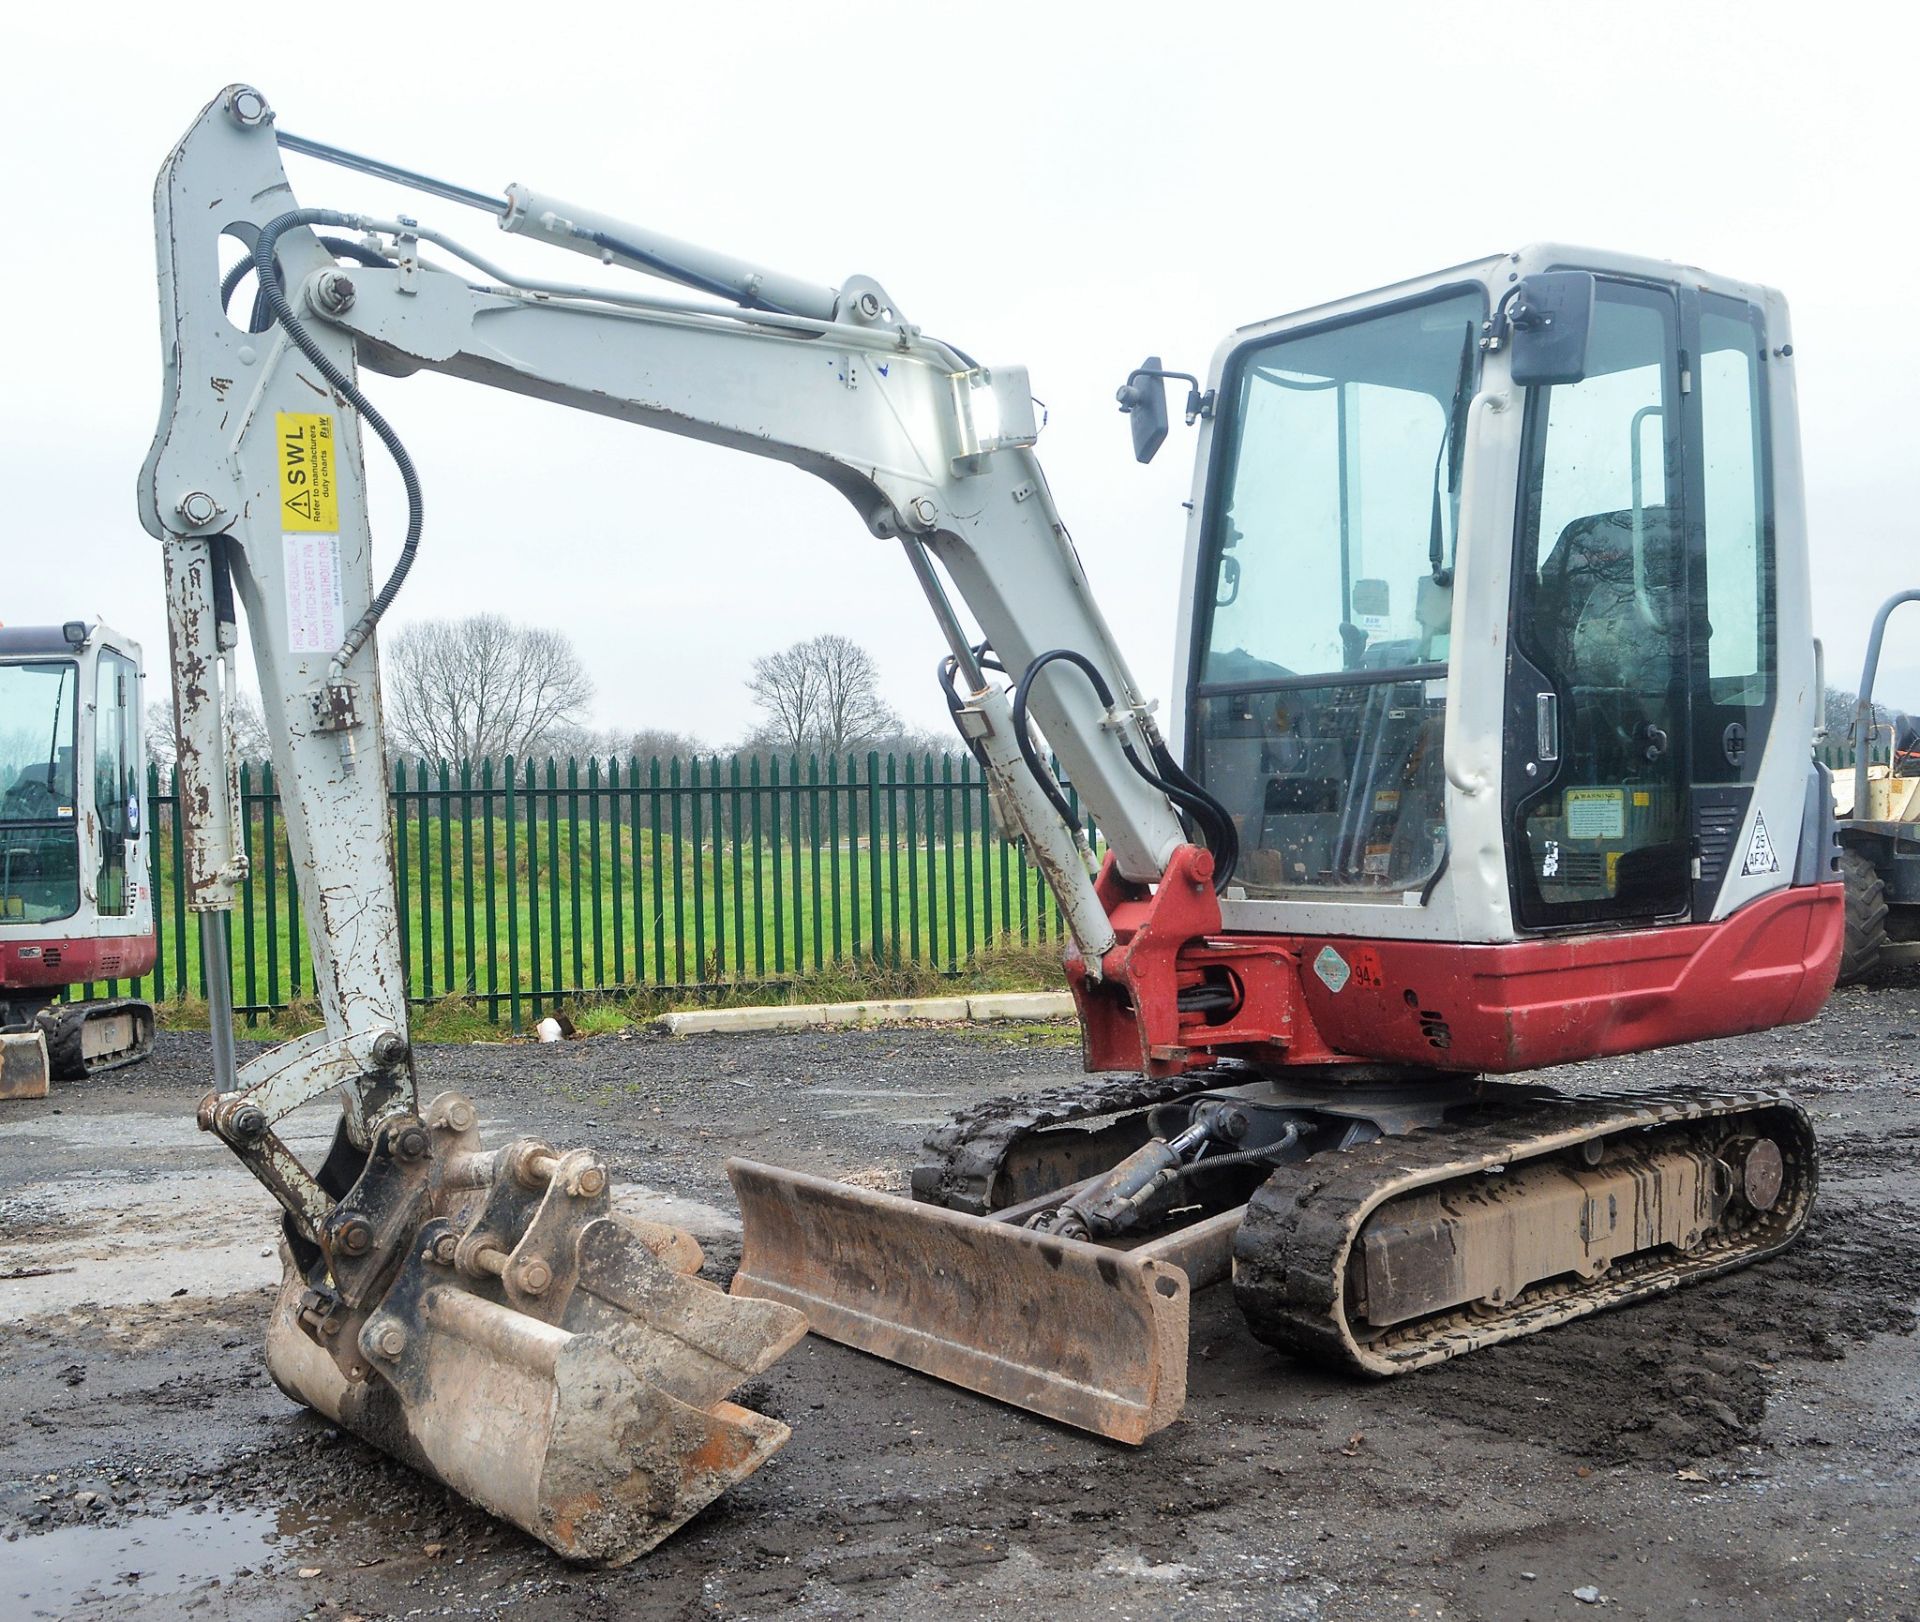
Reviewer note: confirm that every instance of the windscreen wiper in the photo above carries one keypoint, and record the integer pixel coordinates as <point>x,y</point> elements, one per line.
<point>53,741</point>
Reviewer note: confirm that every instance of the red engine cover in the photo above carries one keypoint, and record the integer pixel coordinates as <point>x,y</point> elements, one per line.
<point>1304,1000</point>
<point>52,962</point>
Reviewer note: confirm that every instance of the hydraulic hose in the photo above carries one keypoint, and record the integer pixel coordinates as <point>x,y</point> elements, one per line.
<point>1023,736</point>
<point>1223,837</point>
<point>1264,1155</point>
<point>339,247</point>
<point>276,299</point>
<point>1166,774</point>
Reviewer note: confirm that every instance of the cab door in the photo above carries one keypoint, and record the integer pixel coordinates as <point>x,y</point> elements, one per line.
<point>1597,771</point>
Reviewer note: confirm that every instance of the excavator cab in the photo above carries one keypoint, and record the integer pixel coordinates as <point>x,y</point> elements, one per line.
<point>75,904</point>
<point>1626,522</point>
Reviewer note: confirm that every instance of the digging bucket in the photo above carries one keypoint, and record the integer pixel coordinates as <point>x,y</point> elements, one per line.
<point>1091,1336</point>
<point>492,1320</point>
<point>599,1435</point>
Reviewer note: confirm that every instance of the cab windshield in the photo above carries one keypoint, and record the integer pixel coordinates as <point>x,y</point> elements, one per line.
<point>39,839</point>
<point>1322,656</point>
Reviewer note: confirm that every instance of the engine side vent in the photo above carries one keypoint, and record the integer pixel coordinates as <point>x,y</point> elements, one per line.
<point>1718,815</point>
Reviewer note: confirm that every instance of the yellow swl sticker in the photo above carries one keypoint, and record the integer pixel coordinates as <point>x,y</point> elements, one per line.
<point>309,499</point>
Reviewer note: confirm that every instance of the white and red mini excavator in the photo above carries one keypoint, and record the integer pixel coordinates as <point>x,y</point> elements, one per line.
<point>76,905</point>
<point>1489,751</point>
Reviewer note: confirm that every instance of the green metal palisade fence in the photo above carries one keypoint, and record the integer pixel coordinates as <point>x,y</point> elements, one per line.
<point>528,883</point>
<point>1837,754</point>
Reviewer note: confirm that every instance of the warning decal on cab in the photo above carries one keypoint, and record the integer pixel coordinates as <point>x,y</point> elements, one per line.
<point>308,498</point>
<point>1760,853</point>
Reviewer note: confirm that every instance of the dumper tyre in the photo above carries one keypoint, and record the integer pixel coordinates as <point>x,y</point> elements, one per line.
<point>1866,932</point>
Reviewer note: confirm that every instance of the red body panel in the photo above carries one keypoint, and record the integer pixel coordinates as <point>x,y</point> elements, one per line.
<point>1527,1004</point>
<point>53,962</point>
<point>1515,1006</point>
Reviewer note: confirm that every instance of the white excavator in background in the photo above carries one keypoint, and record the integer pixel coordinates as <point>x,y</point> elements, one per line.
<point>1489,751</point>
<point>76,903</point>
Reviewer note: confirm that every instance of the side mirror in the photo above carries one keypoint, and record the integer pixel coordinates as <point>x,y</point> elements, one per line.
<point>1551,318</point>
<point>1143,397</point>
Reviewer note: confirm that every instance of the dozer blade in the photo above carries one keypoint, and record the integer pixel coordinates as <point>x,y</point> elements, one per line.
<point>1091,1336</point>
<point>599,1435</point>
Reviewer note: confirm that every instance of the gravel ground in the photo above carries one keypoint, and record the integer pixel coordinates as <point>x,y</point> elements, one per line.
<point>1745,1448</point>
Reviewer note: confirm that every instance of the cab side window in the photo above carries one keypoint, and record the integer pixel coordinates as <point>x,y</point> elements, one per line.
<point>1735,622</point>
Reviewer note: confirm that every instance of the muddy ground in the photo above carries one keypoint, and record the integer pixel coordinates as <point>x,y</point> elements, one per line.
<point>1750,1447</point>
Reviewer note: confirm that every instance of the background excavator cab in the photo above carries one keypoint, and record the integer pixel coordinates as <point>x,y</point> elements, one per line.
<point>75,904</point>
<point>1878,805</point>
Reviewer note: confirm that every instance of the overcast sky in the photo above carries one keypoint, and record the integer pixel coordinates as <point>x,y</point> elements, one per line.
<point>1064,186</point>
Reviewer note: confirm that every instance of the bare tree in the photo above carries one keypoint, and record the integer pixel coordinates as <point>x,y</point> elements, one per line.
<point>1838,714</point>
<point>249,730</point>
<point>481,687</point>
<point>822,694</point>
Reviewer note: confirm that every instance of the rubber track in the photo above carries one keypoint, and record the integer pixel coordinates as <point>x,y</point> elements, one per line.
<point>62,1024</point>
<point>967,1151</point>
<point>1290,1255</point>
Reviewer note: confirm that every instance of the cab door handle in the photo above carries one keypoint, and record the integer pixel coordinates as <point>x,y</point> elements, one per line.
<point>1546,713</point>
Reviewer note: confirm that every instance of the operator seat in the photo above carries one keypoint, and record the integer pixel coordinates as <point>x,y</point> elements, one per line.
<point>1590,623</point>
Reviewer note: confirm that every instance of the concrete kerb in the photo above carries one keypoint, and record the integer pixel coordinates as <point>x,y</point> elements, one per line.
<point>997,1005</point>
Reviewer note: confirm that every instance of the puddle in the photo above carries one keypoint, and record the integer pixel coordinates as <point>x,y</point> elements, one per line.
<point>49,1574</point>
